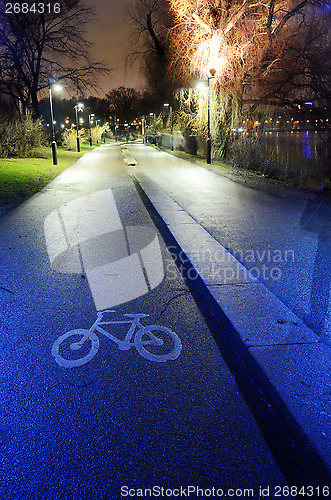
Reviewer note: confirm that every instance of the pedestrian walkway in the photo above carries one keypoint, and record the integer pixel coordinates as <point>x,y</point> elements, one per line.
<point>289,360</point>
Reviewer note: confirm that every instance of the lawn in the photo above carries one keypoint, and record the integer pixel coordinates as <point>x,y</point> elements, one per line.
<point>20,178</point>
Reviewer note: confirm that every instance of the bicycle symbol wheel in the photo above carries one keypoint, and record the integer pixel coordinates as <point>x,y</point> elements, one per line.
<point>148,343</point>
<point>83,342</point>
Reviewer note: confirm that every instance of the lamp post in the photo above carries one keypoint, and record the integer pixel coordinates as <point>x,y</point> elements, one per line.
<point>90,117</point>
<point>143,128</point>
<point>78,107</point>
<point>54,145</point>
<point>171,128</point>
<point>212,73</point>
<point>97,124</point>
<point>154,127</point>
<point>115,127</point>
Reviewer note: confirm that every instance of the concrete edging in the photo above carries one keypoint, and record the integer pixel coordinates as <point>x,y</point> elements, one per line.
<point>270,337</point>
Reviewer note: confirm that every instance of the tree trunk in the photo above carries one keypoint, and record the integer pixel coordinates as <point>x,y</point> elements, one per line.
<point>34,104</point>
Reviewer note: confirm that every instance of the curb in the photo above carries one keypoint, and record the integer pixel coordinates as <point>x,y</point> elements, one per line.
<point>268,337</point>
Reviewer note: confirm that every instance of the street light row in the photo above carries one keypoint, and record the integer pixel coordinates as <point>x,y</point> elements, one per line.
<point>212,73</point>
<point>78,107</point>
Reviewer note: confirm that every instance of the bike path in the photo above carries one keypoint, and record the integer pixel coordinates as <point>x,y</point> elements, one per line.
<point>119,419</point>
<point>260,229</point>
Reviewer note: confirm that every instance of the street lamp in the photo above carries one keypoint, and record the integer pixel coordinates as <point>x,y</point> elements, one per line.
<point>56,86</point>
<point>78,107</point>
<point>212,72</point>
<point>143,129</point>
<point>90,118</point>
<point>154,120</point>
<point>171,127</point>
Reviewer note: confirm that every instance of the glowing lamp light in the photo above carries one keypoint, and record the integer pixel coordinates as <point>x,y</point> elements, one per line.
<point>57,87</point>
<point>202,87</point>
<point>53,85</point>
<point>214,51</point>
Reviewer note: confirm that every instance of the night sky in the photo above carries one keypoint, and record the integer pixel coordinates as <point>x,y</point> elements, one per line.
<point>111,36</point>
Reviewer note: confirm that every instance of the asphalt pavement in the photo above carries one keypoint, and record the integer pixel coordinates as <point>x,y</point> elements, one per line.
<point>261,230</point>
<point>264,278</point>
<point>84,415</point>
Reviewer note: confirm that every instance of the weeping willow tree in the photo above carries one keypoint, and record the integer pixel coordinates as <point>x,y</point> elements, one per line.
<point>263,52</point>
<point>225,114</point>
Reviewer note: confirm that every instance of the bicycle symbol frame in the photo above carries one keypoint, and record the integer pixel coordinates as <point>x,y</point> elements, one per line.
<point>142,335</point>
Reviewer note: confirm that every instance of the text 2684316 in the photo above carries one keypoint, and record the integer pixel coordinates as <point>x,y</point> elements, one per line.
<point>34,8</point>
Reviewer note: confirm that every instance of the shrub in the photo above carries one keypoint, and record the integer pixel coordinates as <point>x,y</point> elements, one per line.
<point>20,136</point>
<point>248,152</point>
<point>96,133</point>
<point>70,138</point>
<point>108,133</point>
<point>286,156</point>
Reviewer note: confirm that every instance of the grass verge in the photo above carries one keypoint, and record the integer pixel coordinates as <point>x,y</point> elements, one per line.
<point>200,160</point>
<point>303,178</point>
<point>253,179</point>
<point>20,178</point>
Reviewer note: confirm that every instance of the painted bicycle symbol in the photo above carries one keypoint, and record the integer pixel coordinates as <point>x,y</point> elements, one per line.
<point>150,341</point>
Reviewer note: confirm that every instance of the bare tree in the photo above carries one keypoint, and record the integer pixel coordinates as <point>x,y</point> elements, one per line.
<point>38,45</point>
<point>151,21</point>
<point>124,103</point>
